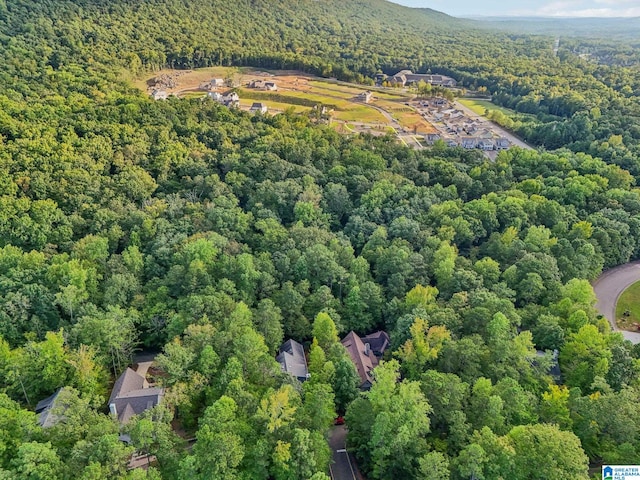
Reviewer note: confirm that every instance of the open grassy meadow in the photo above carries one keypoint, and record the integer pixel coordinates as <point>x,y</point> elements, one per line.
<point>629,303</point>
<point>479,106</point>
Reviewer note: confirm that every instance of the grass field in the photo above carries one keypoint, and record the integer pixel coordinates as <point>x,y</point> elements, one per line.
<point>275,106</point>
<point>346,91</point>
<point>331,89</point>
<point>629,302</point>
<point>360,113</point>
<point>344,109</point>
<point>479,106</point>
<point>305,98</point>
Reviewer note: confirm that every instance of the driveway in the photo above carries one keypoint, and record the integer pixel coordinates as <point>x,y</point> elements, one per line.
<point>342,469</point>
<point>608,288</point>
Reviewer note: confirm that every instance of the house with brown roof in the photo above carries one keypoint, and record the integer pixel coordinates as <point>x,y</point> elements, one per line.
<point>132,395</point>
<point>365,355</point>
<point>378,342</point>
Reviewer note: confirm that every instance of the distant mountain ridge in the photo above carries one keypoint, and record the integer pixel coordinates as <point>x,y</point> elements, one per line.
<point>361,35</point>
<point>592,27</point>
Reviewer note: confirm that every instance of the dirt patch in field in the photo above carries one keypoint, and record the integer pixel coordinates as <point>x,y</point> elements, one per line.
<point>177,82</point>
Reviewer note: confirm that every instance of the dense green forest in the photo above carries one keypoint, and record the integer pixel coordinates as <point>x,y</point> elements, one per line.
<point>211,235</point>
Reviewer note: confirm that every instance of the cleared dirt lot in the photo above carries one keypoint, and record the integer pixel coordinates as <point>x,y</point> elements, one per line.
<point>300,92</point>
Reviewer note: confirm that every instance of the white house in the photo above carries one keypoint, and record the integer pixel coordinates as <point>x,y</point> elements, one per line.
<point>258,107</point>
<point>159,95</point>
<point>469,143</point>
<point>485,144</point>
<point>365,97</point>
<point>231,99</point>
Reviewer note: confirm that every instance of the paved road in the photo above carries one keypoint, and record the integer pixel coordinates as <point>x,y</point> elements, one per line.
<point>341,468</point>
<point>608,288</point>
<point>497,128</point>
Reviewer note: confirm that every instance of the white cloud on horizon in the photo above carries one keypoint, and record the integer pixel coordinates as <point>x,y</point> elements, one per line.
<point>532,8</point>
<point>583,9</point>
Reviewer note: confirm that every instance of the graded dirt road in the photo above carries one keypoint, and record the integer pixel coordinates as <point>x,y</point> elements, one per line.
<point>609,286</point>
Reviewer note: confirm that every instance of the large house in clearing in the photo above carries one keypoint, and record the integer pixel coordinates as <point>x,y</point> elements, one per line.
<point>228,99</point>
<point>407,77</point>
<point>365,353</point>
<point>263,85</point>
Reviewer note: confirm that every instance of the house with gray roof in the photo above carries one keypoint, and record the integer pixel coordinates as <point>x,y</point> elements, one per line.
<point>407,77</point>
<point>259,107</point>
<point>292,360</point>
<point>485,144</point>
<point>431,138</point>
<point>469,142</point>
<point>132,395</point>
<point>44,409</point>
<point>502,143</point>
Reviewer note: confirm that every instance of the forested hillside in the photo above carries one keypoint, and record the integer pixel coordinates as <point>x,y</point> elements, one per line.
<point>211,236</point>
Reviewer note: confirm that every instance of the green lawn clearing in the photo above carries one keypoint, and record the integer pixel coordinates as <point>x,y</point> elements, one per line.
<point>479,106</point>
<point>628,308</point>
<point>360,113</point>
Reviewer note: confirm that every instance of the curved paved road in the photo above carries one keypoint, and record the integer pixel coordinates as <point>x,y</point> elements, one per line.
<point>609,286</point>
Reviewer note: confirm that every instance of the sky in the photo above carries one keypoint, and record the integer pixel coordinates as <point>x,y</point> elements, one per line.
<point>544,8</point>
